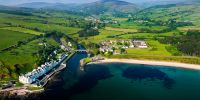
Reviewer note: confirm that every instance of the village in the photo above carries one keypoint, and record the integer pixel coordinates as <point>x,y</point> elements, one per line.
<point>120,46</point>
<point>38,77</point>
<point>34,78</point>
<point>96,19</point>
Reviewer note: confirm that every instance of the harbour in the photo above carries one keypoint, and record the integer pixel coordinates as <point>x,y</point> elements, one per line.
<point>45,71</point>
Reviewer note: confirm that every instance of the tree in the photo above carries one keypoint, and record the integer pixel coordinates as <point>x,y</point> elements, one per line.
<point>95,51</point>
<point>127,44</point>
<point>110,53</point>
<point>19,43</point>
<point>88,32</point>
<point>18,68</point>
<point>188,44</point>
<point>122,51</point>
<point>2,64</point>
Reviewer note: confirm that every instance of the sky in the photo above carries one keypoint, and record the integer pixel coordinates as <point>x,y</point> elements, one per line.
<point>15,2</point>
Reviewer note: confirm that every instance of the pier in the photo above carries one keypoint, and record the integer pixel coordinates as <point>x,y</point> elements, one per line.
<point>45,80</point>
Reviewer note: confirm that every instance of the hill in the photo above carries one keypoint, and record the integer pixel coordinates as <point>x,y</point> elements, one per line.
<point>21,32</point>
<point>109,7</point>
<point>44,5</point>
<point>36,5</point>
<point>98,7</point>
<point>183,12</point>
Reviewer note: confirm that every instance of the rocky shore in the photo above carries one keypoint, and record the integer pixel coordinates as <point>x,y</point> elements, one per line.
<point>85,61</point>
<point>10,95</point>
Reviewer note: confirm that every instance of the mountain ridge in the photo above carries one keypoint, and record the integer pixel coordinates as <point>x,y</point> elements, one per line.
<point>97,7</point>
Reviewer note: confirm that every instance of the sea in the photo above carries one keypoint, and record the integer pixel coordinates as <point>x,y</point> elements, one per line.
<point>122,81</point>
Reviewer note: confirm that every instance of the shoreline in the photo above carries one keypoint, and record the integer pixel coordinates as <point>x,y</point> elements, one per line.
<point>149,62</point>
<point>24,90</point>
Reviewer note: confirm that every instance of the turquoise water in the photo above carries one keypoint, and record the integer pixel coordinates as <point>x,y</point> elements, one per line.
<point>170,84</point>
<point>119,81</point>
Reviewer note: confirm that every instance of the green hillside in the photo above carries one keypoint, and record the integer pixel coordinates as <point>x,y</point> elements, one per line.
<point>9,38</point>
<point>112,7</point>
<point>21,33</point>
<point>180,12</point>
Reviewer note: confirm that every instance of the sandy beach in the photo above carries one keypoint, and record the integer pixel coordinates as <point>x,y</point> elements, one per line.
<point>146,62</point>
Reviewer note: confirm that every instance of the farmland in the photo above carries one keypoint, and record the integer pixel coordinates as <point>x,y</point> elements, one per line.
<point>22,30</point>
<point>21,35</point>
<point>152,25</point>
<point>23,57</point>
<point>120,29</point>
<point>9,38</point>
<point>26,30</point>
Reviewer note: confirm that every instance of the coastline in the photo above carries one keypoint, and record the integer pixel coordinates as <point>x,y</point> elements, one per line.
<point>28,89</point>
<point>149,62</point>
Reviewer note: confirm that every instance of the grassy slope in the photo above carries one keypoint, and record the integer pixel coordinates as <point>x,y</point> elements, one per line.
<point>8,38</point>
<point>22,56</point>
<point>36,22</point>
<point>179,12</point>
<point>24,53</point>
<point>23,30</point>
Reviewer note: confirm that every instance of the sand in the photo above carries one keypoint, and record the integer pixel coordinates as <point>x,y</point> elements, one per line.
<point>146,62</point>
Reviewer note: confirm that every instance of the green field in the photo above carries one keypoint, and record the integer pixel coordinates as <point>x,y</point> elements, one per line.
<point>23,56</point>
<point>102,36</point>
<point>15,28</point>
<point>42,24</point>
<point>156,49</point>
<point>9,38</point>
<point>150,25</point>
<point>23,30</point>
<point>120,29</point>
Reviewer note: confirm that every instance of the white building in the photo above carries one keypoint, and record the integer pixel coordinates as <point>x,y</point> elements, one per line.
<point>140,44</point>
<point>70,44</point>
<point>31,77</point>
<point>131,46</point>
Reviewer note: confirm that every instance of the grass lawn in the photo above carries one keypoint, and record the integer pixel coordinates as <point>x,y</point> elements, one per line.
<point>155,49</point>
<point>102,36</point>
